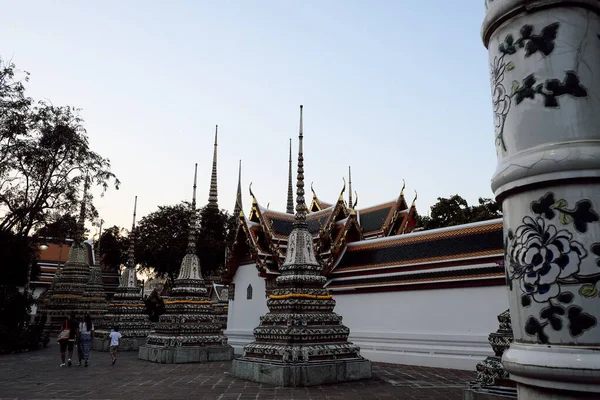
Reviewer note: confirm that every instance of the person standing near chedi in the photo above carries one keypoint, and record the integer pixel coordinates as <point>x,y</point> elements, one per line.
<point>86,331</point>
<point>115,335</point>
<point>66,338</point>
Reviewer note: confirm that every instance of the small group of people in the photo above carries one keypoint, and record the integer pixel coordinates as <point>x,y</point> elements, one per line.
<point>82,333</point>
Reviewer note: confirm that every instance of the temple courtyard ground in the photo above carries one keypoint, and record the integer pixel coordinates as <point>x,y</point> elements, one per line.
<point>37,375</point>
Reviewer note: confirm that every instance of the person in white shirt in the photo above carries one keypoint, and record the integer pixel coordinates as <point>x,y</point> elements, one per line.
<point>115,335</point>
<point>86,332</point>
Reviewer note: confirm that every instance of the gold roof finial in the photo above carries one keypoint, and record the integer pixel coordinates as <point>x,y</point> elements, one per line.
<point>252,194</point>
<point>403,186</point>
<point>341,198</point>
<point>415,199</point>
<point>355,201</point>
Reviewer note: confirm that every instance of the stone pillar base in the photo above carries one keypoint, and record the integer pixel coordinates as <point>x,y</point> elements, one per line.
<point>301,374</point>
<point>182,355</point>
<point>526,392</point>
<point>125,344</point>
<point>567,368</point>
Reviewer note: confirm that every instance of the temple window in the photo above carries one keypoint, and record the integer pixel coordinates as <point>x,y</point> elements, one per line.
<point>249,292</point>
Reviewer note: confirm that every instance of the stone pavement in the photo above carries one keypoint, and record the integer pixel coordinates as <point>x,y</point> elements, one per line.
<point>36,375</point>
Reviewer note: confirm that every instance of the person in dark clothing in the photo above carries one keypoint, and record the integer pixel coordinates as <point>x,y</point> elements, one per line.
<point>73,325</point>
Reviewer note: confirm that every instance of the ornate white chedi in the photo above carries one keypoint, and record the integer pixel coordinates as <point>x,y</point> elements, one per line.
<point>127,309</point>
<point>544,58</point>
<point>189,330</point>
<point>301,341</point>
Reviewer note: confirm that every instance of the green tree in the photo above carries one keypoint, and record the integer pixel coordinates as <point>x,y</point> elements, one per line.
<point>113,248</point>
<point>61,227</point>
<point>14,108</point>
<point>456,211</point>
<point>161,240</point>
<point>212,238</point>
<point>44,158</point>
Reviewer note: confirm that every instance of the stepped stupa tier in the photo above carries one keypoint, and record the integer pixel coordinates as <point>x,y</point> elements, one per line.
<point>94,297</point>
<point>127,309</point>
<point>70,284</point>
<point>301,341</point>
<point>190,330</point>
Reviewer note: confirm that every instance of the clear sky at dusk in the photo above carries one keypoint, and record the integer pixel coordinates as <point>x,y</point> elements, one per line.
<point>396,89</point>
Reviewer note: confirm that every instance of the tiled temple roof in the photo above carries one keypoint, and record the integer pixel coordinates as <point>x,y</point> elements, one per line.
<point>471,240</point>
<point>459,255</point>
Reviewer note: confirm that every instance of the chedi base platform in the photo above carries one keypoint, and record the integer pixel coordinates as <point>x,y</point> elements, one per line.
<point>125,344</point>
<point>301,374</point>
<point>183,355</point>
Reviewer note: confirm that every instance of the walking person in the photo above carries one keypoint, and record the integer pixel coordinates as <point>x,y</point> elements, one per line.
<point>115,335</point>
<point>66,338</point>
<point>86,332</point>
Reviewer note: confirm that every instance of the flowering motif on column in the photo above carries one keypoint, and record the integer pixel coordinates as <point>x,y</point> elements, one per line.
<point>529,87</point>
<point>545,259</point>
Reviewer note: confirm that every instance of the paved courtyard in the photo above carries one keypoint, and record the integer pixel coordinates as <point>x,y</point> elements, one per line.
<point>36,375</point>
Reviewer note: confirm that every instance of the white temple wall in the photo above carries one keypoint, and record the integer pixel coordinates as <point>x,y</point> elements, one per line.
<point>444,328</point>
<point>243,315</point>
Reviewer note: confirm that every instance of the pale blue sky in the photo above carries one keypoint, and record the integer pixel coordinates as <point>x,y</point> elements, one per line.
<point>396,89</point>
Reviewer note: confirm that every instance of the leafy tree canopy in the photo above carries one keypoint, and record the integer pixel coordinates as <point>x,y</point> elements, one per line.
<point>456,211</point>
<point>60,226</point>
<point>162,238</point>
<point>113,248</point>
<point>44,158</point>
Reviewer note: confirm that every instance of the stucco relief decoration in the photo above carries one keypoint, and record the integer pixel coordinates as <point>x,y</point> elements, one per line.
<point>545,260</point>
<point>528,43</point>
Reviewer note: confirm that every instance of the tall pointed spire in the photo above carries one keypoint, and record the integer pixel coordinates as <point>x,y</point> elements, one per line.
<point>238,198</point>
<point>131,276</point>
<point>349,187</point>
<point>299,359</point>
<point>212,194</point>
<point>191,248</point>
<point>290,196</point>
<point>81,220</point>
<point>301,210</point>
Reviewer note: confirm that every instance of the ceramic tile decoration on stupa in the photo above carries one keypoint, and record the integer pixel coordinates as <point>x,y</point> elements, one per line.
<point>70,284</point>
<point>190,329</point>
<point>94,296</point>
<point>127,309</point>
<point>301,341</point>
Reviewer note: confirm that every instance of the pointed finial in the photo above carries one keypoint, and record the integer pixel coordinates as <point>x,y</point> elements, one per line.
<point>290,196</point>
<point>212,194</point>
<point>301,209</point>
<point>191,248</point>
<point>355,201</point>
<point>81,220</point>
<point>252,194</point>
<point>349,187</point>
<point>268,204</point>
<point>403,186</point>
<point>341,198</point>
<point>313,191</point>
<point>238,198</point>
<point>130,255</point>
<point>415,199</point>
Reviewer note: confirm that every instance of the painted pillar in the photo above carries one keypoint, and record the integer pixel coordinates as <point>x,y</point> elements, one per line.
<point>544,58</point>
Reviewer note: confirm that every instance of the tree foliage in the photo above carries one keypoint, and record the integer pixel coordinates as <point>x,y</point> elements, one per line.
<point>60,226</point>
<point>456,211</point>
<point>44,158</point>
<point>212,239</point>
<point>161,239</point>
<point>113,248</point>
